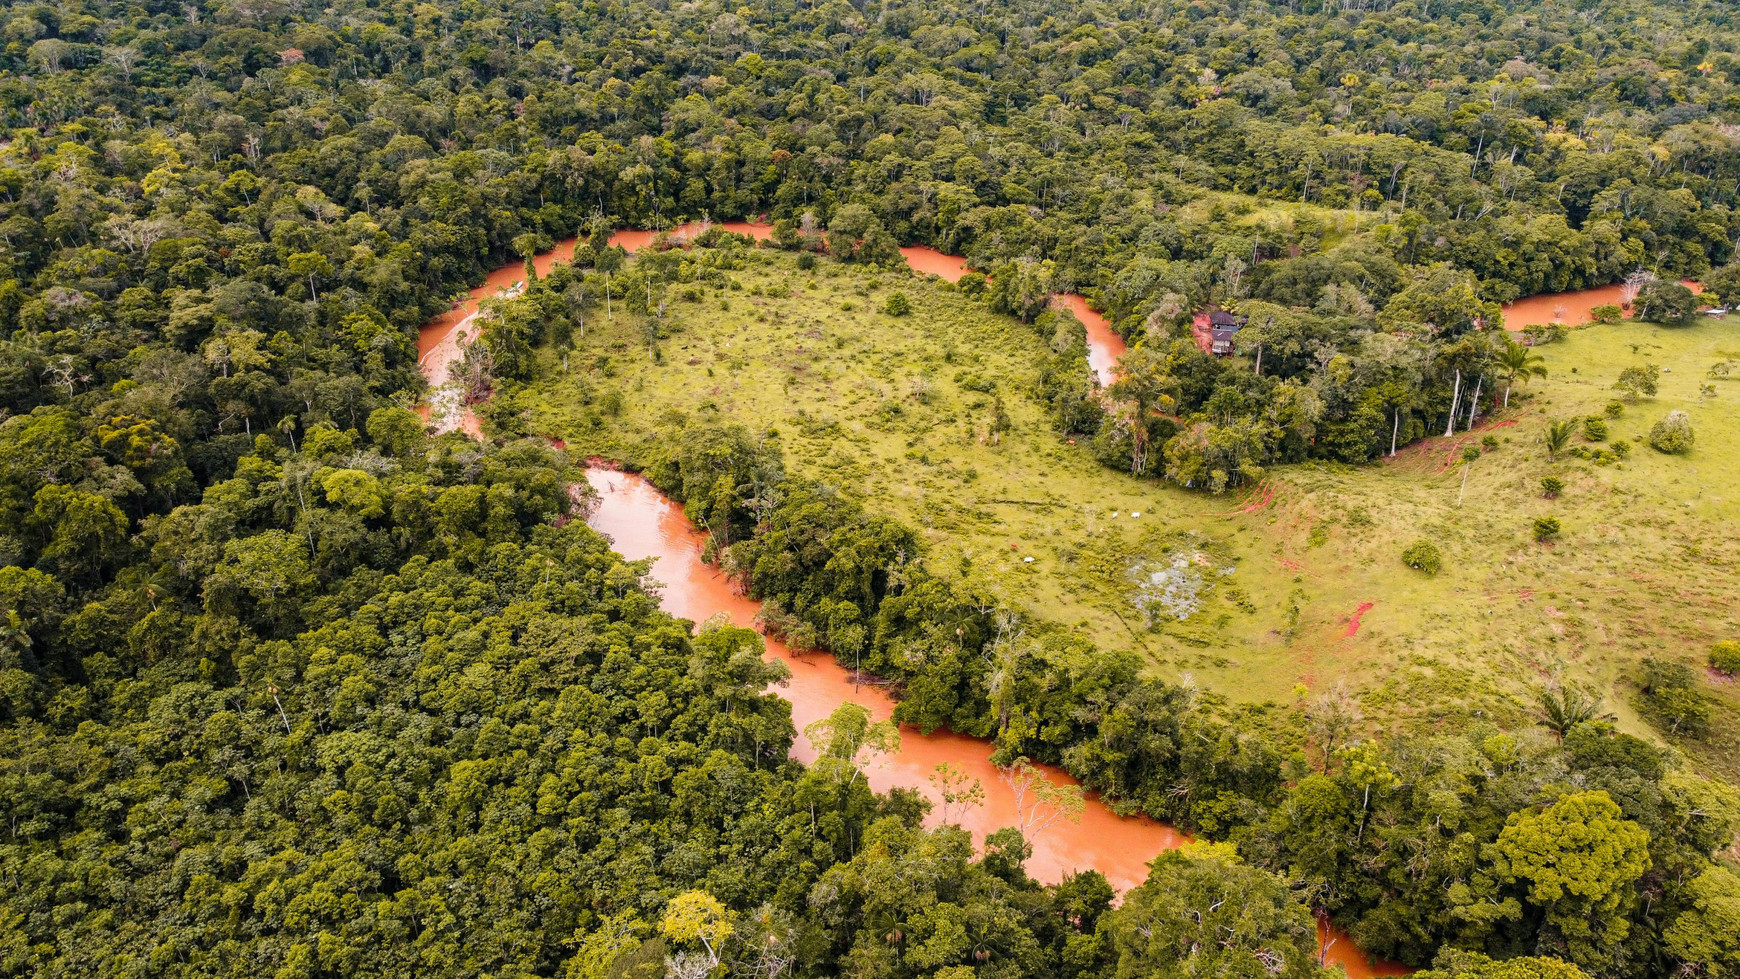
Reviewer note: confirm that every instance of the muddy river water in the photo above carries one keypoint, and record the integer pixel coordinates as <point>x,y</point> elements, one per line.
<point>641,523</point>
<point>1570,308</point>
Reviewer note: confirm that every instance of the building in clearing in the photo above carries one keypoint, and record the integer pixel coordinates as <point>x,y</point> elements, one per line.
<point>1214,329</point>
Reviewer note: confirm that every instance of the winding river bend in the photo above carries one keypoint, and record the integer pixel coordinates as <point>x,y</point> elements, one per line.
<point>442,340</point>
<point>641,523</point>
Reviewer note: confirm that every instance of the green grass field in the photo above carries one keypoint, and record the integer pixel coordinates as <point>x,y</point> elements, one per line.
<point>895,410</point>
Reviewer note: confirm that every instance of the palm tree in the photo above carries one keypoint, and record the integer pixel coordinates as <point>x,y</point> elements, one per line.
<point>1517,361</point>
<point>1559,436</point>
<point>1566,705</point>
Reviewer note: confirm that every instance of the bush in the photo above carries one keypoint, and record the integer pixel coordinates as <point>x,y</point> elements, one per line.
<point>1670,693</point>
<point>969,381</point>
<point>807,261</point>
<point>1673,434</point>
<point>973,284</point>
<point>1639,381</point>
<point>1608,313</point>
<point>1540,335</point>
<point>1551,486</point>
<point>1620,449</point>
<point>1595,428</point>
<point>1547,528</point>
<point>897,305</point>
<point>1422,555</point>
<point>1725,657</point>
<point>1614,409</point>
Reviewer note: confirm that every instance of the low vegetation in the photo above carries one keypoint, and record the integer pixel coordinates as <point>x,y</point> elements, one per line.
<point>933,419</point>
<point>1423,555</point>
<point>1673,434</point>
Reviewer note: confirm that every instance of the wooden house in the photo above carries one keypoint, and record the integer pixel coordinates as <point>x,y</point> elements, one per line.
<point>1214,330</point>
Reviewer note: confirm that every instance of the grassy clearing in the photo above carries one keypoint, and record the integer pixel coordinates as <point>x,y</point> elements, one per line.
<point>899,411</point>
<point>1334,225</point>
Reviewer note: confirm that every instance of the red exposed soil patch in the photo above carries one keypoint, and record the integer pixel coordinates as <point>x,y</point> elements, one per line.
<point>1254,506</point>
<point>1260,497</point>
<point>1291,565</point>
<point>1462,441</point>
<point>1422,455</point>
<point>1353,623</point>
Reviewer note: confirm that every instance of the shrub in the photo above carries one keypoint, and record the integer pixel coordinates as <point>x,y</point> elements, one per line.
<point>970,381</point>
<point>1470,454</point>
<point>1670,692</point>
<point>1551,486</point>
<point>1595,428</point>
<point>1673,434</point>
<point>1540,335</point>
<point>806,261</point>
<point>1547,528</point>
<point>1422,555</point>
<point>1608,313</point>
<point>1725,657</point>
<point>1614,409</point>
<point>1489,443</point>
<point>973,283</point>
<point>897,305</point>
<point>1639,381</point>
<point>1620,449</point>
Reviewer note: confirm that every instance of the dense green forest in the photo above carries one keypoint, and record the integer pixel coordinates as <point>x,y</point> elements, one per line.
<point>289,686</point>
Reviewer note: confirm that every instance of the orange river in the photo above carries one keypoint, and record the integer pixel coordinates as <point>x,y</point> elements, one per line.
<point>1570,308</point>
<point>641,522</point>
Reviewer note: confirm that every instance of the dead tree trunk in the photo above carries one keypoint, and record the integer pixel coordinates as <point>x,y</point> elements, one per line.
<point>1455,402</point>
